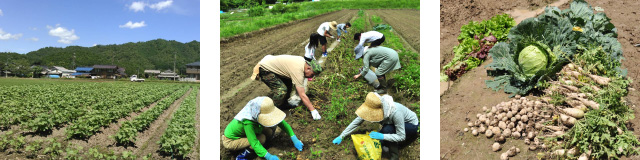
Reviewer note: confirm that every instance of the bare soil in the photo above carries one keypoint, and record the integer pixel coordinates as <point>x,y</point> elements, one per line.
<point>469,94</point>
<point>404,22</point>
<point>145,141</point>
<point>239,58</point>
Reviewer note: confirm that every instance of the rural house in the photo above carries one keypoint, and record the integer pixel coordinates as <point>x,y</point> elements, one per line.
<point>151,73</point>
<point>60,72</point>
<point>105,71</point>
<point>168,74</point>
<point>83,72</point>
<point>193,70</point>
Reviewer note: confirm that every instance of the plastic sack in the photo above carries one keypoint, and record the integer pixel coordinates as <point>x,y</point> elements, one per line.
<point>366,147</point>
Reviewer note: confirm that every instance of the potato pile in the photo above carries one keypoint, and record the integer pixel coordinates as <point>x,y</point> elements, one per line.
<point>518,118</point>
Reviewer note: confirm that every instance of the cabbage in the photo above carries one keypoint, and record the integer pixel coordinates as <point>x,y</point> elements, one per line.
<point>533,59</point>
<point>539,47</point>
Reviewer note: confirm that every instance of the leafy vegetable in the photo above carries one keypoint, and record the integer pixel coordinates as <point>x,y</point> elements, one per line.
<point>476,39</point>
<point>554,29</point>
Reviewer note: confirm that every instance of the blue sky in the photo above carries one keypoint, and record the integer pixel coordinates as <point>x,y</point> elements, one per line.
<point>28,25</point>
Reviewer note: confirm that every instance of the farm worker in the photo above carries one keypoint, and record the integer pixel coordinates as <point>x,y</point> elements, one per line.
<point>399,123</point>
<point>374,37</point>
<point>250,128</point>
<point>282,73</point>
<point>383,60</point>
<point>324,31</point>
<point>342,28</point>
<point>310,49</point>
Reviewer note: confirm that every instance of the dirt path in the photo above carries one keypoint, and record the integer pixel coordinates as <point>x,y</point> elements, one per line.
<point>238,57</point>
<point>102,138</point>
<point>146,141</point>
<point>405,22</point>
<point>468,95</point>
<point>196,148</point>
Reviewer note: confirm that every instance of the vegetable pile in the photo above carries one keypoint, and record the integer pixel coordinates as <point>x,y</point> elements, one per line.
<point>476,39</point>
<point>539,47</point>
<point>574,59</point>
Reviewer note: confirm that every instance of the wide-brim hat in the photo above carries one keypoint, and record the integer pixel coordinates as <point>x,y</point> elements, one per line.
<point>333,25</point>
<point>371,109</point>
<point>270,115</point>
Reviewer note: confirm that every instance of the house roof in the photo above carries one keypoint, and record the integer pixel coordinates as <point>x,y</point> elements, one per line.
<point>84,69</point>
<point>194,64</point>
<point>98,66</point>
<point>62,69</point>
<point>152,71</point>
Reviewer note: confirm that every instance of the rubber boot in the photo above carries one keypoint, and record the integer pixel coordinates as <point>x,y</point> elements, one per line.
<point>394,152</point>
<point>382,89</point>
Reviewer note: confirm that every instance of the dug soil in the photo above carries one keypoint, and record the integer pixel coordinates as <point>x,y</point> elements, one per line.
<point>469,94</point>
<point>240,56</point>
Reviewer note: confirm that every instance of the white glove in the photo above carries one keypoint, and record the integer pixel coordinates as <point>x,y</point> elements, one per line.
<point>315,114</point>
<point>331,37</point>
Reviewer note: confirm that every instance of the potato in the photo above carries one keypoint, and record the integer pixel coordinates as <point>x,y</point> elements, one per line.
<point>470,124</point>
<point>488,133</point>
<point>533,148</point>
<point>481,129</point>
<point>502,125</point>
<point>474,132</point>
<point>524,118</point>
<point>496,130</point>
<point>499,138</point>
<point>513,119</point>
<point>515,135</point>
<point>496,147</point>
<point>466,129</point>
<point>531,135</point>
<point>484,109</point>
<point>504,156</point>
<point>506,132</point>
<point>527,141</point>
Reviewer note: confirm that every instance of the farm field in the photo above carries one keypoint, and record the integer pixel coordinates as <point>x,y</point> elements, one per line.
<point>334,93</point>
<point>469,94</point>
<point>96,119</point>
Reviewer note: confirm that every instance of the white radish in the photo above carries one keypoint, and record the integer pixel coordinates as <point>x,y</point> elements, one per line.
<point>573,112</point>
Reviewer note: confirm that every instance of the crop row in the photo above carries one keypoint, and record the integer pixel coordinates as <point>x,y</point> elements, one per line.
<point>180,136</point>
<point>129,129</point>
<point>106,112</point>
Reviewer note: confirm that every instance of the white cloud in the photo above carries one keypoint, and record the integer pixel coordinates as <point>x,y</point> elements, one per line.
<point>132,25</point>
<point>34,39</point>
<point>66,36</point>
<point>95,44</point>
<point>137,6</point>
<point>1,14</point>
<point>7,36</point>
<point>33,28</point>
<point>161,5</point>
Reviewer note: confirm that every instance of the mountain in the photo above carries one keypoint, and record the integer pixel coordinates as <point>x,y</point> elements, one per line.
<point>134,57</point>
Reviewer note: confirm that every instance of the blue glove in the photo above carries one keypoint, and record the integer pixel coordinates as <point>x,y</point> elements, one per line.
<point>297,143</point>
<point>271,157</point>
<point>376,135</point>
<point>345,31</point>
<point>337,140</point>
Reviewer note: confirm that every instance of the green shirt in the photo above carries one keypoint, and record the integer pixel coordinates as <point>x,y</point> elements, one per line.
<point>248,128</point>
<point>382,58</point>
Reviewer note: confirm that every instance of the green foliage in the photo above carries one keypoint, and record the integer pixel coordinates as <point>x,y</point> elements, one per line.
<point>498,26</point>
<point>231,25</point>
<point>554,29</point>
<point>278,9</point>
<point>134,57</point>
<point>256,11</point>
<point>180,136</point>
<point>129,129</point>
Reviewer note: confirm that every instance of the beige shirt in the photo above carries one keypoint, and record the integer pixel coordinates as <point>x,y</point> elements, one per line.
<point>287,66</point>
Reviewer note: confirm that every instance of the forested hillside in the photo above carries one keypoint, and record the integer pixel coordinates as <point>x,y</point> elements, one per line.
<point>134,57</point>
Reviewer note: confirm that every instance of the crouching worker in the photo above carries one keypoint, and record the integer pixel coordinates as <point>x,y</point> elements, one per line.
<point>399,124</point>
<point>383,60</point>
<point>282,74</point>
<point>374,37</point>
<point>249,129</point>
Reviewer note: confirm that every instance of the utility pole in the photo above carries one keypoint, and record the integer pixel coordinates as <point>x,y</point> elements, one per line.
<point>73,65</point>
<point>174,65</point>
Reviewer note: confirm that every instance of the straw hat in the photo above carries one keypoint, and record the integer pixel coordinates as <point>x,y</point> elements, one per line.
<point>333,25</point>
<point>270,115</point>
<point>371,109</point>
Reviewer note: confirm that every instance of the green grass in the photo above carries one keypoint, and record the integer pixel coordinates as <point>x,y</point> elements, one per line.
<point>241,22</point>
